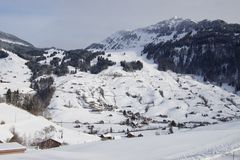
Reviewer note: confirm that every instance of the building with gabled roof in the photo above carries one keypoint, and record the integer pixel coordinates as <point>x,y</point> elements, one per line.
<point>50,143</point>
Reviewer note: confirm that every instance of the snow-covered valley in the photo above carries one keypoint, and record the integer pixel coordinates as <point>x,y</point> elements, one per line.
<point>80,98</point>
<point>142,102</point>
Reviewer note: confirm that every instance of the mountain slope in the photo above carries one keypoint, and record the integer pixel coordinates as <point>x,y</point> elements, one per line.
<point>207,48</point>
<point>174,28</point>
<point>150,98</point>
<point>14,74</point>
<point>121,89</point>
<point>11,39</point>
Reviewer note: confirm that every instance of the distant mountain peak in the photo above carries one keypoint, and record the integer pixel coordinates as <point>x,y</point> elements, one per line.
<point>174,21</point>
<point>159,32</point>
<point>9,39</point>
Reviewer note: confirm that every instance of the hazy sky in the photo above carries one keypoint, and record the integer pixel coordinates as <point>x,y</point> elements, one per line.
<point>72,24</point>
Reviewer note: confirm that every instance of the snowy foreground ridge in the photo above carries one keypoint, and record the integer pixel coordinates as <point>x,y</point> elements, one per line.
<point>212,142</point>
<point>30,127</point>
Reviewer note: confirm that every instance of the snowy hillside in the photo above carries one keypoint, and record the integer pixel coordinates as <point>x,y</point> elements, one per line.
<point>172,29</point>
<point>150,98</point>
<point>14,74</point>
<point>32,128</point>
<point>208,143</point>
<point>206,48</point>
<point>11,39</point>
<point>120,91</point>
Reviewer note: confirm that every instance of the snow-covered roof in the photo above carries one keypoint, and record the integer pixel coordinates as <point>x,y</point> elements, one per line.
<point>5,135</point>
<point>54,139</point>
<point>106,135</point>
<point>11,146</point>
<point>57,139</point>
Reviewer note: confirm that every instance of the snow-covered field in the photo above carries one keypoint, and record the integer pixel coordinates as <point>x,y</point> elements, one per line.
<point>211,142</point>
<point>31,128</point>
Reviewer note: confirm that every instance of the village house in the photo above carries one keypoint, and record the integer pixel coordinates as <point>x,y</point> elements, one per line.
<point>105,137</point>
<point>50,143</point>
<point>130,135</point>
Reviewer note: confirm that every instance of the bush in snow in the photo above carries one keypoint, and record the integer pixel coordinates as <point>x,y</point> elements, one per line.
<point>55,61</point>
<point>2,122</point>
<point>131,66</point>
<point>102,64</point>
<point>61,70</point>
<point>3,54</point>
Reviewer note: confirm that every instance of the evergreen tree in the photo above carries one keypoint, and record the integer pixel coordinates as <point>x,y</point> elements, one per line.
<point>9,96</point>
<point>15,97</point>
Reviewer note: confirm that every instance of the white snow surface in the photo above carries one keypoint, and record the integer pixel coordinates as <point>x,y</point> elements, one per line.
<point>204,143</point>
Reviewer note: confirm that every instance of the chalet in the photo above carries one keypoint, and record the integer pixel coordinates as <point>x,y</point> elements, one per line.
<point>140,135</point>
<point>130,135</point>
<point>50,143</point>
<point>11,148</point>
<point>105,137</point>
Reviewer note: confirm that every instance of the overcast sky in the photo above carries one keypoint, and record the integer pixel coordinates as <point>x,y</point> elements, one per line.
<point>71,24</point>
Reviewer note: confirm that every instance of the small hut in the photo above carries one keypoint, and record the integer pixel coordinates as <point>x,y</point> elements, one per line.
<point>105,137</point>
<point>50,143</point>
<point>11,148</point>
<point>140,135</point>
<point>130,135</point>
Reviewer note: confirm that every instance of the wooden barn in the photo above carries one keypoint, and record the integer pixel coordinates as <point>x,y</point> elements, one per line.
<point>11,148</point>
<point>50,143</point>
